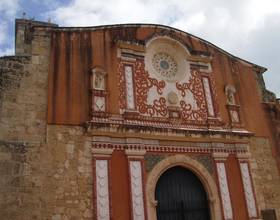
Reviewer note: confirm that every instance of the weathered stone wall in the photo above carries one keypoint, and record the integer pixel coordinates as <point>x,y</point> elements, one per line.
<point>23,106</point>
<point>267,96</point>
<point>265,175</point>
<point>20,182</point>
<point>47,181</point>
<point>67,183</point>
<point>23,98</point>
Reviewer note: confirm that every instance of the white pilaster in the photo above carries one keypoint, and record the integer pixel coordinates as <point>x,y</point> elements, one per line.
<point>248,190</point>
<point>137,190</point>
<point>223,183</point>
<point>102,190</point>
<point>136,183</point>
<point>129,87</point>
<point>101,159</point>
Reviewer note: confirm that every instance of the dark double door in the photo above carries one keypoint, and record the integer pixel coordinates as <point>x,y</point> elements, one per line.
<point>181,196</point>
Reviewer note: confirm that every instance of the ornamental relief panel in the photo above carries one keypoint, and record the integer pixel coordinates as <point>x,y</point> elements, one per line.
<point>154,96</point>
<point>166,86</point>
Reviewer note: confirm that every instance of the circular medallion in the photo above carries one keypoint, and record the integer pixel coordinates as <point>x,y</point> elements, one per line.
<point>165,66</point>
<point>172,98</point>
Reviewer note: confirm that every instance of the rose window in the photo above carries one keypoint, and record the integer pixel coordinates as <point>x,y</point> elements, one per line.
<point>165,66</point>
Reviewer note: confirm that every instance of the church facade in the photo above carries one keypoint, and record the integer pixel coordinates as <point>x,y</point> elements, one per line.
<point>135,122</point>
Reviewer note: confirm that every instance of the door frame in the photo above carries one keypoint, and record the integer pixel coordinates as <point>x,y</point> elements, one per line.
<point>208,182</point>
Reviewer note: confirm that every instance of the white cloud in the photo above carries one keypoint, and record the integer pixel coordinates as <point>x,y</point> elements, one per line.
<point>240,27</point>
<point>7,51</point>
<point>8,10</point>
<point>3,32</point>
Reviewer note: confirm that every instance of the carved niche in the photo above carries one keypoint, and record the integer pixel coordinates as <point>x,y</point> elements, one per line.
<point>99,92</point>
<point>232,107</point>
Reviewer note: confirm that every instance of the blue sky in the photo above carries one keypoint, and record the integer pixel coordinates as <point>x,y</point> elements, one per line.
<point>249,29</point>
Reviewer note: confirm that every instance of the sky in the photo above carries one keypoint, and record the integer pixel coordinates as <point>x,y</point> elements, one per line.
<point>249,29</point>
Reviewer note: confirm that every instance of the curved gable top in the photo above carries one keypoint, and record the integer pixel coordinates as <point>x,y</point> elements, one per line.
<point>158,27</point>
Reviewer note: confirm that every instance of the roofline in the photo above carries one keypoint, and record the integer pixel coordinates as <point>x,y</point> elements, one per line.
<point>258,68</point>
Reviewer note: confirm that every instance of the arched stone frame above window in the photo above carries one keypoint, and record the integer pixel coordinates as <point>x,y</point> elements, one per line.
<point>198,169</point>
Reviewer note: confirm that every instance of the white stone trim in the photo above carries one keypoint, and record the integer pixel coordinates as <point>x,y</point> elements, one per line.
<point>128,73</point>
<point>138,211</point>
<point>102,152</point>
<point>227,208</point>
<point>102,190</point>
<point>136,153</point>
<point>208,96</point>
<point>248,190</point>
<point>220,155</point>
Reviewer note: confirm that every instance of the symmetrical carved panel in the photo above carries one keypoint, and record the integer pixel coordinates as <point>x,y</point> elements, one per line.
<point>224,190</point>
<point>99,104</point>
<point>249,195</point>
<point>102,190</point>
<point>162,85</point>
<point>137,190</point>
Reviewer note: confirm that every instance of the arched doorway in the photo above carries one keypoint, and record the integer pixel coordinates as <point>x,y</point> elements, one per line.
<point>194,166</point>
<point>181,196</point>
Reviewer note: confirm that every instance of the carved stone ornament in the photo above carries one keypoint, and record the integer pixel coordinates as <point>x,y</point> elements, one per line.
<point>137,190</point>
<point>208,96</point>
<point>234,116</point>
<point>230,91</point>
<point>165,66</point>
<point>172,98</point>
<point>165,59</point>
<point>128,71</point>
<point>98,79</point>
<point>102,190</point>
<point>99,104</point>
<point>249,195</point>
<point>224,191</point>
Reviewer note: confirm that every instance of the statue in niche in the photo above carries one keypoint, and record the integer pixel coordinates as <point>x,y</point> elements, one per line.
<point>98,79</point>
<point>230,90</point>
<point>99,82</point>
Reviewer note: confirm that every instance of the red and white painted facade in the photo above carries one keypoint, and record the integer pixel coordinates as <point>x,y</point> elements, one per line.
<point>160,94</point>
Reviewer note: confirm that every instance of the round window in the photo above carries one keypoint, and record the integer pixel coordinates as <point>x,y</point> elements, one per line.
<point>165,66</point>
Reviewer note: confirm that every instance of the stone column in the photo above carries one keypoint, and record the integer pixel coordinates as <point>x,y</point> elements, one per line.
<point>247,185</point>
<point>220,159</point>
<point>135,162</point>
<point>101,163</point>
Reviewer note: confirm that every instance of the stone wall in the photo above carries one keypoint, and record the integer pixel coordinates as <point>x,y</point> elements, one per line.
<point>67,187</point>
<point>265,175</point>
<point>50,181</point>
<point>20,183</point>
<point>267,96</point>
<point>23,107</point>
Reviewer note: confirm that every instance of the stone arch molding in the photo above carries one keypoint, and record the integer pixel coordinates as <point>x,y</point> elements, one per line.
<point>173,52</point>
<point>197,168</point>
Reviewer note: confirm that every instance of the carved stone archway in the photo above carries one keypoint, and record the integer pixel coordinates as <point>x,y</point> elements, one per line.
<point>198,169</point>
